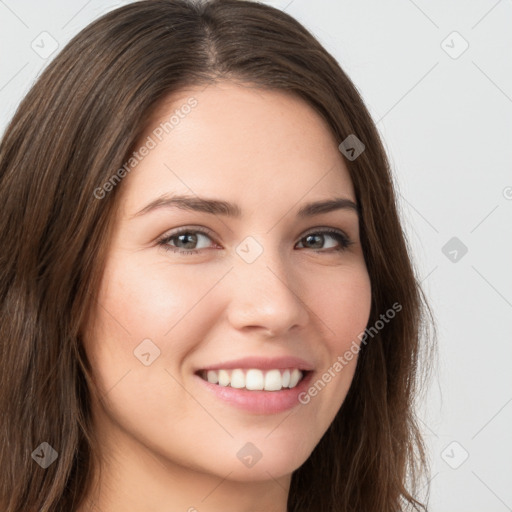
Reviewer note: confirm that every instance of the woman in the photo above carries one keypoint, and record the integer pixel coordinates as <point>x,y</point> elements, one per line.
<point>207,298</point>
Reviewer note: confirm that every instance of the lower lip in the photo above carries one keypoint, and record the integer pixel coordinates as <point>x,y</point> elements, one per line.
<point>259,402</point>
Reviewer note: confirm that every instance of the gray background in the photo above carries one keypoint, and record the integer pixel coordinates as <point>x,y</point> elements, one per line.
<point>445,114</point>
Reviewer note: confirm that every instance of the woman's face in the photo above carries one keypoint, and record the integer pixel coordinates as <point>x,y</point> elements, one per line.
<point>192,286</point>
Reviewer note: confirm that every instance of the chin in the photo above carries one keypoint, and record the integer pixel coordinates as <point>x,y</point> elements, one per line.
<point>261,460</point>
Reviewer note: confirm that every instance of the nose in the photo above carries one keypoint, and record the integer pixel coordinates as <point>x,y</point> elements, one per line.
<point>264,296</point>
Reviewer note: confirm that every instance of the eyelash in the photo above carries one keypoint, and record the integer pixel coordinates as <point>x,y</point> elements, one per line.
<point>163,242</point>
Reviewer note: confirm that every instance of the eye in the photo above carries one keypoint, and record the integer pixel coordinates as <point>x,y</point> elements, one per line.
<point>317,239</point>
<point>186,240</point>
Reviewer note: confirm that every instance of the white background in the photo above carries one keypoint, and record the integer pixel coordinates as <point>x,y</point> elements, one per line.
<point>447,125</point>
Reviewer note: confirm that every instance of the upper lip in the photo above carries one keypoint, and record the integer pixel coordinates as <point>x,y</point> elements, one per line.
<point>263,363</point>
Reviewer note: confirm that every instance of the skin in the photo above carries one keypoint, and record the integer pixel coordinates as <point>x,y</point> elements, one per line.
<point>167,443</point>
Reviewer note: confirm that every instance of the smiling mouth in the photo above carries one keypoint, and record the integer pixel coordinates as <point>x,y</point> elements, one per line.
<point>254,379</point>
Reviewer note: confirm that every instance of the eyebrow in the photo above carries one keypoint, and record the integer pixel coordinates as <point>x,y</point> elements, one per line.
<point>224,208</point>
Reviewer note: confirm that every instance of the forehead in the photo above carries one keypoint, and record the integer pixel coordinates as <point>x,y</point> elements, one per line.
<point>239,143</point>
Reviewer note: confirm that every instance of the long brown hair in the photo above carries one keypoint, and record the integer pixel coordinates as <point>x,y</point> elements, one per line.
<point>73,130</point>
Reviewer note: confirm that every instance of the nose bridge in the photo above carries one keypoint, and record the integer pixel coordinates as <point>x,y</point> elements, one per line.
<point>264,294</point>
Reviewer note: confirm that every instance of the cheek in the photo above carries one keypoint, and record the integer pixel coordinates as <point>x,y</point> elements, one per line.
<point>141,300</point>
<point>144,296</point>
<point>345,308</point>
<point>344,312</point>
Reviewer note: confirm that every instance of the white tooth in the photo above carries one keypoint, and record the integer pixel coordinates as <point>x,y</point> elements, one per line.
<point>223,378</point>
<point>286,378</point>
<point>237,379</point>
<point>211,376</point>
<point>254,380</point>
<point>273,381</point>
<point>295,377</point>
